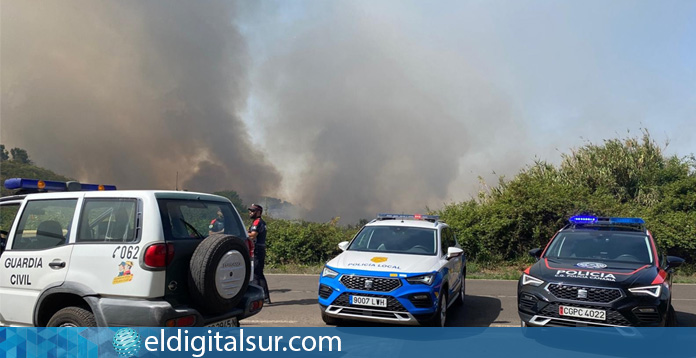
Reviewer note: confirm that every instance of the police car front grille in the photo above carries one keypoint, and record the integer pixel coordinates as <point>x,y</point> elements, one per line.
<point>376,283</point>
<point>614,318</point>
<point>591,294</point>
<point>392,303</point>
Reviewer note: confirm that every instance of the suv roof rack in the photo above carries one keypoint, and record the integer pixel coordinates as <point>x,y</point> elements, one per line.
<point>29,186</point>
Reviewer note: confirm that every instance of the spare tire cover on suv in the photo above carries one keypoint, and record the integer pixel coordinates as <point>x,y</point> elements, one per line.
<point>220,269</point>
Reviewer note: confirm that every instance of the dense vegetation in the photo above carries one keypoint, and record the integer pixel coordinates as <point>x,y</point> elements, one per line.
<point>620,177</point>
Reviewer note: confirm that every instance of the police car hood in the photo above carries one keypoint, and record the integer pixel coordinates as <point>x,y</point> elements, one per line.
<point>384,262</point>
<point>596,273</point>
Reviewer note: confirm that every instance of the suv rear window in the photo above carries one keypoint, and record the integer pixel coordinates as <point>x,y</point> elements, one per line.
<point>186,219</point>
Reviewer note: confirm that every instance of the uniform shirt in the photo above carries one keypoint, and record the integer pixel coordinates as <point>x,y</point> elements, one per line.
<point>259,226</point>
<point>217,225</point>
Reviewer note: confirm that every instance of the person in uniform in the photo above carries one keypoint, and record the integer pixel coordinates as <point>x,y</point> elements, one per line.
<point>217,225</point>
<point>257,233</point>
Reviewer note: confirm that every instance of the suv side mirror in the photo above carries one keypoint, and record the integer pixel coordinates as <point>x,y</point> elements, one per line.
<point>674,262</point>
<point>536,253</point>
<point>343,245</point>
<point>454,252</point>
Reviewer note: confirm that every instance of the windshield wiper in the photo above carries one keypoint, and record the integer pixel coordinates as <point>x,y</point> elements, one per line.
<point>198,234</point>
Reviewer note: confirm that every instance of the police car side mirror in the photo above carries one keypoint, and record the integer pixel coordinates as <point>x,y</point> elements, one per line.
<point>343,245</point>
<point>453,252</point>
<point>674,262</point>
<point>536,253</point>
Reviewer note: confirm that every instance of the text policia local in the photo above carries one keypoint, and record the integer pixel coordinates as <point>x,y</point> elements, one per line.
<point>199,345</point>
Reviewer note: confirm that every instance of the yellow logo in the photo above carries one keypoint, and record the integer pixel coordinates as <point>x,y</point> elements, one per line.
<point>378,259</point>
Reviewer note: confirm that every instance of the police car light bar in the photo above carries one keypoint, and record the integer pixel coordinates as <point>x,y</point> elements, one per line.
<point>583,219</point>
<point>626,221</point>
<point>50,185</point>
<point>383,216</point>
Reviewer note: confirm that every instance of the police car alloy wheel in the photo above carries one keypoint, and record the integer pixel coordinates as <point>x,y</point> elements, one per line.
<point>441,317</point>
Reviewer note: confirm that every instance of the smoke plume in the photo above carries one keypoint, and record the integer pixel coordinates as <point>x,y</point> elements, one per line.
<point>131,92</point>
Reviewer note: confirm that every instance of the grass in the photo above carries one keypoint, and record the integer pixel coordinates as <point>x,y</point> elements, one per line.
<point>475,270</point>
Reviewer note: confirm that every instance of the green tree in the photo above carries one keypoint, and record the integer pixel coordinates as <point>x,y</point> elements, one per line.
<point>20,155</point>
<point>4,156</point>
<point>234,198</point>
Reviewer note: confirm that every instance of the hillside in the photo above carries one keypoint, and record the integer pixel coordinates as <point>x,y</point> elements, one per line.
<point>13,169</point>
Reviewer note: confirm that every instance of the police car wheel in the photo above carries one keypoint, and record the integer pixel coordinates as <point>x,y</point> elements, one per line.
<point>671,317</point>
<point>440,317</point>
<point>220,270</point>
<point>462,293</point>
<point>333,321</point>
<point>72,317</point>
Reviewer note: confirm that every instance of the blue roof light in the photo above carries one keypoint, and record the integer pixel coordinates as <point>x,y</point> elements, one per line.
<point>583,219</point>
<point>626,221</point>
<point>50,185</point>
<point>20,183</point>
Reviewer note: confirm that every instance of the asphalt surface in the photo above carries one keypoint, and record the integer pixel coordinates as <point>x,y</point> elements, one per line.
<point>489,303</point>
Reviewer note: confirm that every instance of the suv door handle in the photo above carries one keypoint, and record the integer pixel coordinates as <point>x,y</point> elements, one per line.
<point>56,264</point>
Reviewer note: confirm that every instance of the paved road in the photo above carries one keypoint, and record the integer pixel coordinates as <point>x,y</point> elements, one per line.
<point>489,303</point>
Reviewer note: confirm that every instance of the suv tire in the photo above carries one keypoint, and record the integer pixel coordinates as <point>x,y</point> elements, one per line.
<point>440,317</point>
<point>72,317</point>
<point>333,321</point>
<point>217,259</point>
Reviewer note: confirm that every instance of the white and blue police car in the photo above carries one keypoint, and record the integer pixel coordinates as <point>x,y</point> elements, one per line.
<point>402,269</point>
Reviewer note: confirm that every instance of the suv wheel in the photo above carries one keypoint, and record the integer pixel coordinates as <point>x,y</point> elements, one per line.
<point>333,321</point>
<point>72,317</point>
<point>462,292</point>
<point>220,269</point>
<point>440,317</point>
<point>671,317</point>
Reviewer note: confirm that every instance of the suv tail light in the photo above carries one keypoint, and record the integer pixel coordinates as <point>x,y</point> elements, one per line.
<point>158,255</point>
<point>250,244</point>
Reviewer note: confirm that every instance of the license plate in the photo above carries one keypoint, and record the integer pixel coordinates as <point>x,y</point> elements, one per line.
<point>230,322</point>
<point>368,301</point>
<point>599,315</point>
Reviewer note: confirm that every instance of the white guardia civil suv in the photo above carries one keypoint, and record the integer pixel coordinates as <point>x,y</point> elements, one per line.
<point>88,255</point>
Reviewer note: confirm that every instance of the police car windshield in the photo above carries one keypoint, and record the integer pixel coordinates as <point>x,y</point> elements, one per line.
<point>396,239</point>
<point>603,246</point>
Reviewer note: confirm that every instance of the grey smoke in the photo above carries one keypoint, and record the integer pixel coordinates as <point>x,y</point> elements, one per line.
<point>131,92</point>
<point>345,108</point>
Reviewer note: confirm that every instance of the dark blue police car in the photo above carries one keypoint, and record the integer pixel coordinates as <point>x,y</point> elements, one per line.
<point>599,272</point>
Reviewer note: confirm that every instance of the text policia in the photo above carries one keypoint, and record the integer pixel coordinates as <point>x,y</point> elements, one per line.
<point>199,345</point>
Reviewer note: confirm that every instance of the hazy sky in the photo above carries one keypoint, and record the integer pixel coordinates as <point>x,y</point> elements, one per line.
<point>347,108</point>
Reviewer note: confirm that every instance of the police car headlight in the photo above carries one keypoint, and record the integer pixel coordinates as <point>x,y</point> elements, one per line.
<point>329,273</point>
<point>530,280</point>
<point>422,279</point>
<point>647,290</point>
